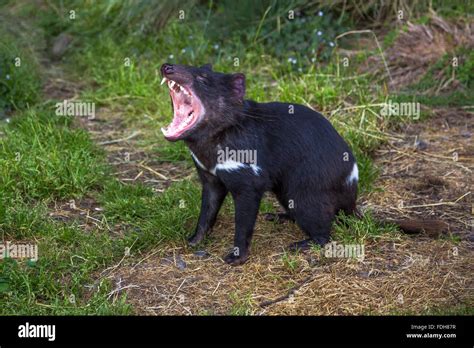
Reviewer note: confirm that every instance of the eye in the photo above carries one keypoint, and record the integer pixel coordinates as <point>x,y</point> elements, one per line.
<point>202,78</point>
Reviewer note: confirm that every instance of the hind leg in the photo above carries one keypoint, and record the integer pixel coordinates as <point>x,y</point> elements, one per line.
<point>348,200</point>
<point>280,217</point>
<point>318,232</point>
<point>347,205</point>
<point>315,220</point>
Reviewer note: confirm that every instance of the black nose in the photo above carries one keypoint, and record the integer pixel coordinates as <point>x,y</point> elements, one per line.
<point>167,69</point>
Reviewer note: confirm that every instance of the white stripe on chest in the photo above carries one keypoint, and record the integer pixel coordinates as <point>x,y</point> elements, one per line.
<point>199,163</point>
<point>227,166</point>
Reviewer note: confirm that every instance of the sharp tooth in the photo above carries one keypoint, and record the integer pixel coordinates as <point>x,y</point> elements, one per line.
<point>163,81</point>
<point>163,130</point>
<point>172,83</point>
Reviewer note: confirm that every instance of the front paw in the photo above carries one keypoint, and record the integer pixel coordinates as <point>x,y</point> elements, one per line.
<point>195,239</point>
<point>235,260</point>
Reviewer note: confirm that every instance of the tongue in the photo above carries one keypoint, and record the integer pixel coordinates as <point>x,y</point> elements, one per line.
<point>178,123</point>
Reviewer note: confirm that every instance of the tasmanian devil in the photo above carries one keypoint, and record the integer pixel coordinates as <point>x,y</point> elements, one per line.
<point>247,148</point>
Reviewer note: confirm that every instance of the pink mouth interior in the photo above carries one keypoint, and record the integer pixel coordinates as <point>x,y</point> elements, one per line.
<point>186,109</point>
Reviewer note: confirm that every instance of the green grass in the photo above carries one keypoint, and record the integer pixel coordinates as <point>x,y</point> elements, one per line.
<point>390,38</point>
<point>68,165</point>
<point>19,74</point>
<point>152,218</point>
<point>290,262</point>
<point>242,304</point>
<point>352,230</point>
<point>428,90</point>
<point>465,72</point>
<point>67,259</point>
<point>454,99</point>
<point>41,157</point>
<point>454,9</point>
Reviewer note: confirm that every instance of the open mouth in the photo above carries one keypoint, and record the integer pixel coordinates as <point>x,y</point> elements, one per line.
<point>186,110</point>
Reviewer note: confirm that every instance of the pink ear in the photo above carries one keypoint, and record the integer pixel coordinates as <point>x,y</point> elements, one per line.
<point>238,84</point>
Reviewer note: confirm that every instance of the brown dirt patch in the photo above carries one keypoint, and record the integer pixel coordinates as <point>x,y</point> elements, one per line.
<point>427,172</point>
<point>419,47</point>
<point>86,212</point>
<point>395,276</point>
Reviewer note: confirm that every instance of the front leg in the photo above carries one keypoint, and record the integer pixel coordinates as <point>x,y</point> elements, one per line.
<point>246,210</point>
<point>213,194</point>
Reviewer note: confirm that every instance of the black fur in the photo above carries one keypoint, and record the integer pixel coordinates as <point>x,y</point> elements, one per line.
<point>303,160</point>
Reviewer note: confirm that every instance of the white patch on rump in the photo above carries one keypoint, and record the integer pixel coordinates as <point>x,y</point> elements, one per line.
<point>354,175</point>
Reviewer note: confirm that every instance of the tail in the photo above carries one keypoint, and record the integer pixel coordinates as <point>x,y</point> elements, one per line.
<point>431,227</point>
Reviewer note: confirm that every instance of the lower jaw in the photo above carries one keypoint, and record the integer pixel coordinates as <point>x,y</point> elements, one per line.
<point>176,137</point>
<point>173,138</point>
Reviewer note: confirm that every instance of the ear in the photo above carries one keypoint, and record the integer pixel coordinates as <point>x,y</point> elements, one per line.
<point>207,67</point>
<point>238,85</point>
